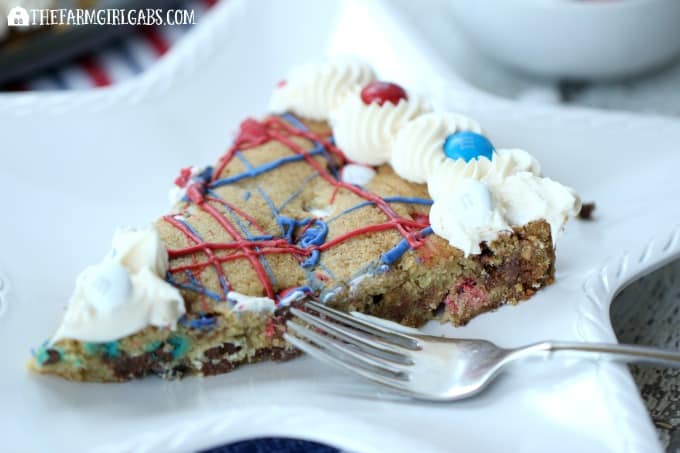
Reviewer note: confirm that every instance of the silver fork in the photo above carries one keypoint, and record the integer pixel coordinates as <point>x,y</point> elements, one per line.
<point>427,367</point>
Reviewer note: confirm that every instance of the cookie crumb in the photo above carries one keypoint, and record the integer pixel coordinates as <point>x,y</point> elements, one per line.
<point>586,212</point>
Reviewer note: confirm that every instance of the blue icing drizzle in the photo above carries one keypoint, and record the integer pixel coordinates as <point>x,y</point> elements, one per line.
<point>409,200</point>
<point>203,322</point>
<point>246,232</point>
<point>402,246</point>
<point>193,286</point>
<point>300,126</point>
<point>246,162</point>
<point>395,253</point>
<point>264,168</point>
<point>188,226</point>
<point>223,281</point>
<point>206,174</point>
<point>288,225</point>
<point>294,121</point>
<point>406,200</point>
<point>261,238</point>
<point>314,281</point>
<point>314,235</point>
<point>327,270</point>
<point>297,193</point>
<point>201,179</point>
<point>267,268</point>
<point>313,232</point>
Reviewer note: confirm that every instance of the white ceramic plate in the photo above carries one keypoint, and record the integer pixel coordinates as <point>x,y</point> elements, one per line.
<point>74,166</point>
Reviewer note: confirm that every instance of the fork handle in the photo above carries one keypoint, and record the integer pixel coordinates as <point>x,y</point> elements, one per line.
<point>611,351</point>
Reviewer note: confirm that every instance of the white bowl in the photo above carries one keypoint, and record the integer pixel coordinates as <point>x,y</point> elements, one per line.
<point>574,38</point>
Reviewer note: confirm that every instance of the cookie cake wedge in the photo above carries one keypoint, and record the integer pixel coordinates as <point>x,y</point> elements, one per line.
<point>353,192</point>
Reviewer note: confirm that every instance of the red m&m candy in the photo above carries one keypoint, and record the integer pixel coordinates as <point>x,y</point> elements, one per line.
<point>381,92</point>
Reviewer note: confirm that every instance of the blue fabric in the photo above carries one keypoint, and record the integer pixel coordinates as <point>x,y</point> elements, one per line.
<point>274,445</point>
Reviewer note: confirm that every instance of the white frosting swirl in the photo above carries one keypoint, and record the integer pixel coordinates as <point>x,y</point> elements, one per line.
<point>468,216</point>
<point>475,201</point>
<point>473,209</point>
<point>419,147</point>
<point>526,197</point>
<point>313,90</point>
<point>508,162</point>
<point>365,133</point>
<point>124,293</point>
<point>505,162</point>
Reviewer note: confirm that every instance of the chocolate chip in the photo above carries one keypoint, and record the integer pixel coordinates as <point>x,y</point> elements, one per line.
<point>53,357</point>
<point>222,350</point>
<point>211,369</point>
<point>281,354</point>
<point>586,212</point>
<point>276,354</point>
<point>127,367</point>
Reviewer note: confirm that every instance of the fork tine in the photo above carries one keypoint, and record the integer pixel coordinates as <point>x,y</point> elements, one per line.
<point>328,358</point>
<point>369,344</point>
<point>343,350</point>
<point>388,335</point>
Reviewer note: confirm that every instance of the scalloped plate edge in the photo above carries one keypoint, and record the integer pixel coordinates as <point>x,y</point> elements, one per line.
<point>594,324</point>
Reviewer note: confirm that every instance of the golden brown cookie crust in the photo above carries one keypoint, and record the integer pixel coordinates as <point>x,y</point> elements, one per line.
<point>431,281</point>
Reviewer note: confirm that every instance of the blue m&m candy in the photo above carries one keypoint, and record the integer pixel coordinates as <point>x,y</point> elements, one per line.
<point>467,146</point>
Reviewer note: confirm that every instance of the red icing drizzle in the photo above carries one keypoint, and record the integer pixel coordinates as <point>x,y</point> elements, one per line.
<point>252,134</point>
<point>183,179</point>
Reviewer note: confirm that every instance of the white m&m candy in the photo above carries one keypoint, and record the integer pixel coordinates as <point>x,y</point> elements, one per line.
<point>106,286</point>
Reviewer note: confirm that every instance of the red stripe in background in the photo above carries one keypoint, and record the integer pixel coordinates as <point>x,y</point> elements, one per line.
<point>95,72</point>
<point>209,3</point>
<point>157,41</point>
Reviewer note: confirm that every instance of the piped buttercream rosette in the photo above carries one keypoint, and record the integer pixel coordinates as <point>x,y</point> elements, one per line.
<point>367,121</point>
<point>313,90</point>
<point>419,146</point>
<point>478,191</point>
<point>124,293</point>
<point>365,114</point>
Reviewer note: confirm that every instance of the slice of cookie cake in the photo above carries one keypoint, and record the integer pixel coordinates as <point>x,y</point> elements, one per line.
<point>353,193</point>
